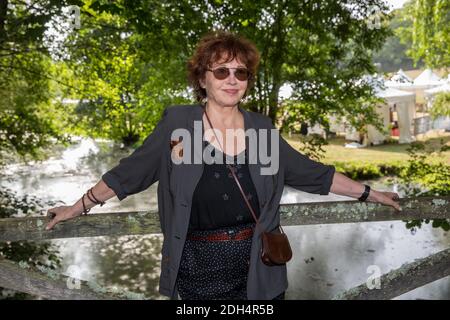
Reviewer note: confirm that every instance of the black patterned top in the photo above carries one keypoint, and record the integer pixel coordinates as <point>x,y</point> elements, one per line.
<point>217,201</point>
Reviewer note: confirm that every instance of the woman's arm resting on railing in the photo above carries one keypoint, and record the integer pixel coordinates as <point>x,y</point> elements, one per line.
<point>102,193</point>
<point>345,186</point>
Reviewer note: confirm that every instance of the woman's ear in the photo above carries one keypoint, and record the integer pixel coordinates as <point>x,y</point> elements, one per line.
<point>202,81</point>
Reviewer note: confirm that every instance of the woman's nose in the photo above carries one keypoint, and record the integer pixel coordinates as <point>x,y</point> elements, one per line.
<point>231,77</point>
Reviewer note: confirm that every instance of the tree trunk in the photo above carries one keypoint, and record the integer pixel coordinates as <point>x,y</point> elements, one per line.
<point>277,58</point>
<point>3,14</point>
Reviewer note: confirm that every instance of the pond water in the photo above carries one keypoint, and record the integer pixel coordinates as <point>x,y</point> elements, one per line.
<point>328,259</point>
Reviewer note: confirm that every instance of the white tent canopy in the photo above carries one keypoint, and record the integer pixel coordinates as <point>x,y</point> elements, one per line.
<point>395,100</point>
<point>399,80</point>
<point>403,103</point>
<point>401,74</point>
<point>394,94</point>
<point>444,88</point>
<point>427,78</point>
<point>401,77</point>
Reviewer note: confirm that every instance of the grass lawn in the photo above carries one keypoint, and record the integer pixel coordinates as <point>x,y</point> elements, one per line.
<point>388,153</point>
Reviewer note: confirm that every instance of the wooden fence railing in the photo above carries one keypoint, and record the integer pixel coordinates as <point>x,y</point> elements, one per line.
<point>23,278</point>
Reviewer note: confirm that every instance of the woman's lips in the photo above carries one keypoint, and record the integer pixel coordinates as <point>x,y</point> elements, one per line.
<point>231,91</point>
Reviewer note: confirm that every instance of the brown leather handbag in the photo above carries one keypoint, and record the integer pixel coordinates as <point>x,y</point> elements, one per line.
<point>275,247</point>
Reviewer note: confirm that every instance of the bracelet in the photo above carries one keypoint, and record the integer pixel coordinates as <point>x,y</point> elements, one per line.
<point>365,193</point>
<point>89,197</point>
<point>85,211</point>
<point>94,199</point>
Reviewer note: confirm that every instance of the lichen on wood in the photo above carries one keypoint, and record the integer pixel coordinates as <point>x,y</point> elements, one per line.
<point>404,279</point>
<point>49,284</point>
<point>135,223</point>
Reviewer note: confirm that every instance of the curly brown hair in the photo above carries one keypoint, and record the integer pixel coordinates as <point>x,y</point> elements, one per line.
<point>217,45</point>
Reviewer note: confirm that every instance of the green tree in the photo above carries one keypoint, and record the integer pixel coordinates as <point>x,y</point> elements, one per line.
<point>430,32</point>
<point>393,55</point>
<point>441,105</point>
<point>28,120</point>
<point>422,177</point>
<point>322,48</point>
<point>123,78</point>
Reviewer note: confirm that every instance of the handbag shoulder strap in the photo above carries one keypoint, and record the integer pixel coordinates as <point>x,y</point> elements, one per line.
<point>232,172</point>
<point>242,192</point>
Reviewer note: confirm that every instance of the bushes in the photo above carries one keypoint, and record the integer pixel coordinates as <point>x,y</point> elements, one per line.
<point>366,171</point>
<point>416,177</point>
<point>422,178</point>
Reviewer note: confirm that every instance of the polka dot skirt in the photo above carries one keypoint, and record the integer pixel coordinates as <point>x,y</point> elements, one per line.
<point>215,270</point>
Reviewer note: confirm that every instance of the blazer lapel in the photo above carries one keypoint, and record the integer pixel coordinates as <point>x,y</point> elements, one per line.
<point>191,173</point>
<point>254,168</point>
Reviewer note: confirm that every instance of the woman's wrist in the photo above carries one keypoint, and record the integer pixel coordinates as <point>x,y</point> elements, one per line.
<point>77,209</point>
<point>87,201</point>
<point>373,195</point>
<point>365,193</point>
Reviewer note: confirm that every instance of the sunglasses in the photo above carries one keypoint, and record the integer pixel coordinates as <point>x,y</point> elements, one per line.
<point>221,73</point>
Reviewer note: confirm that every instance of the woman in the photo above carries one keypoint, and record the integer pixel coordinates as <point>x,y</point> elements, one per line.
<point>211,248</point>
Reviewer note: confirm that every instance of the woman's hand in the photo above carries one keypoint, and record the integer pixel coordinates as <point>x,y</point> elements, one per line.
<point>386,198</point>
<point>58,214</point>
<point>345,186</point>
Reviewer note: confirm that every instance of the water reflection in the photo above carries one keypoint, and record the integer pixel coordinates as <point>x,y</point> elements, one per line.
<point>128,263</point>
<point>71,172</point>
<point>327,258</point>
<point>330,258</point>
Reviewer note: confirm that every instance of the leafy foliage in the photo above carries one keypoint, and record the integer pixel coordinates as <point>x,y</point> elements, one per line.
<point>129,57</point>
<point>428,33</point>
<point>441,105</point>
<point>123,82</point>
<point>28,120</point>
<point>422,178</point>
<point>431,33</point>
<point>366,171</point>
<point>392,56</point>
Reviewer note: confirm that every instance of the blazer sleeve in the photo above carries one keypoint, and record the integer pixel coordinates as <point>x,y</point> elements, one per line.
<point>301,172</point>
<point>141,169</point>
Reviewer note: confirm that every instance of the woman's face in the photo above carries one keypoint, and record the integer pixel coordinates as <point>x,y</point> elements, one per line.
<point>227,92</point>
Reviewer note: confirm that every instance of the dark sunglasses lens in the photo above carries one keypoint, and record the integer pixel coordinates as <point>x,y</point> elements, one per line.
<point>242,74</point>
<point>221,73</point>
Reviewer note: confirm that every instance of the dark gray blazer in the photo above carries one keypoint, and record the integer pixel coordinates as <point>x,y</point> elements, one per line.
<point>152,162</point>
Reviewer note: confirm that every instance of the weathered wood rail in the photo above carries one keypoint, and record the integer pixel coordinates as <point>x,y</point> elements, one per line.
<point>49,284</point>
<point>404,279</point>
<point>21,277</point>
<point>135,223</point>
<point>24,278</point>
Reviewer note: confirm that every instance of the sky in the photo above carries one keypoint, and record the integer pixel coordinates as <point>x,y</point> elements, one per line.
<point>395,4</point>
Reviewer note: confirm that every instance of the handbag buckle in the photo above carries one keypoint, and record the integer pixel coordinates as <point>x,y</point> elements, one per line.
<point>232,233</point>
